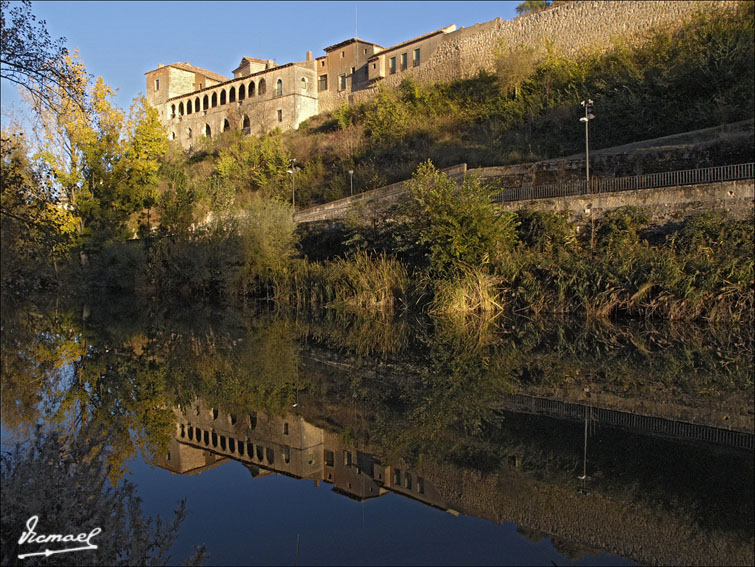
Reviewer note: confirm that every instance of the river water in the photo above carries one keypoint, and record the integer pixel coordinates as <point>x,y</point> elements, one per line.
<point>342,438</point>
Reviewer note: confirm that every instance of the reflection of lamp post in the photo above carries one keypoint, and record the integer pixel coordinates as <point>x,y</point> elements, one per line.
<point>586,119</point>
<point>292,171</point>
<point>584,477</point>
<point>351,180</point>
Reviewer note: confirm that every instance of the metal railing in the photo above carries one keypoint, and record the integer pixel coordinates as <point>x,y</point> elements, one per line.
<point>647,181</point>
<point>641,423</point>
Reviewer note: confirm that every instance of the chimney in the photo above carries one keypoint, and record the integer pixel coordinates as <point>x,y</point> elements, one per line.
<point>269,64</point>
<point>160,65</point>
<point>309,56</point>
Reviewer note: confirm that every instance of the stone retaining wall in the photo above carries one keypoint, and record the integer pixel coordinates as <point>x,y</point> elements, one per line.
<point>570,29</point>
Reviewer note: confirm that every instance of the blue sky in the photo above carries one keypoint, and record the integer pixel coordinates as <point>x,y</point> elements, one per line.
<point>120,41</point>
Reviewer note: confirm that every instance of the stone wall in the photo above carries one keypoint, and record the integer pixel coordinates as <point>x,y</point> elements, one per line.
<point>663,206</point>
<point>570,28</point>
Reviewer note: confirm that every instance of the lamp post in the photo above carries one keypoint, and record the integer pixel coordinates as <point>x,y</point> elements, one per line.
<point>587,104</point>
<point>292,171</point>
<point>351,181</point>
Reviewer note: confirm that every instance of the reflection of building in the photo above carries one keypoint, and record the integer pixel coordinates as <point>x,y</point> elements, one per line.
<point>286,445</point>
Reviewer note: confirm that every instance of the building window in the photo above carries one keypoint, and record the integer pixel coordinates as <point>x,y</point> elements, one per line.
<point>343,54</point>
<point>415,59</point>
<point>157,84</point>
<point>207,131</point>
<point>322,63</point>
<point>392,65</point>
<point>246,122</point>
<point>214,100</point>
<point>353,69</point>
<point>403,61</point>
<point>303,84</point>
<point>262,87</point>
<point>172,135</point>
<point>172,110</point>
<point>279,88</point>
<point>342,83</point>
<point>322,85</point>
<point>196,104</point>
<point>222,97</point>
<point>205,102</point>
<point>180,108</point>
<point>226,126</point>
<point>285,429</point>
<point>251,89</point>
<point>232,95</point>
<point>280,115</point>
<point>329,458</point>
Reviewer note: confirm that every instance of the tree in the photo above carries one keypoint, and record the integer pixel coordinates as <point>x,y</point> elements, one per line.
<point>105,163</point>
<point>514,65</point>
<point>63,481</point>
<point>532,6</point>
<point>457,226</point>
<point>33,61</point>
<point>34,231</point>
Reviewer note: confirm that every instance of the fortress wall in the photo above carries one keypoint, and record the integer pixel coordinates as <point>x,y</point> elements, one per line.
<point>571,28</point>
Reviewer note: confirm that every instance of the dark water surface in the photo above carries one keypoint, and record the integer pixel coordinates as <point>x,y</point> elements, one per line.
<point>336,438</point>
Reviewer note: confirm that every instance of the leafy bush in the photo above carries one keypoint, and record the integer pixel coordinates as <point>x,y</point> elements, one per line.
<point>456,226</point>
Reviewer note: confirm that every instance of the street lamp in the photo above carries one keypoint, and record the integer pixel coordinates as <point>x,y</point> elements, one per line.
<point>586,119</point>
<point>292,171</point>
<point>351,180</point>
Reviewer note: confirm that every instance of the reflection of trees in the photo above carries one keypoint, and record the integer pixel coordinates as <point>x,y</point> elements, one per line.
<point>64,481</point>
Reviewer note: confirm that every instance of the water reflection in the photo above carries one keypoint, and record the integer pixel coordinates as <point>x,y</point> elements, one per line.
<point>635,440</point>
<point>624,508</point>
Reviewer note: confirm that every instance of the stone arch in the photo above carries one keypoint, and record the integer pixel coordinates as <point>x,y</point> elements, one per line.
<point>260,453</point>
<point>180,108</point>
<point>242,93</point>
<point>205,103</point>
<point>172,110</point>
<point>214,100</point>
<point>251,89</point>
<point>222,97</point>
<point>196,104</point>
<point>214,439</point>
<point>261,87</point>
<point>191,433</point>
<point>279,87</point>
<point>226,125</point>
<point>232,94</point>
<point>245,124</point>
<point>189,108</point>
<point>231,445</point>
<point>207,131</point>
<point>206,437</point>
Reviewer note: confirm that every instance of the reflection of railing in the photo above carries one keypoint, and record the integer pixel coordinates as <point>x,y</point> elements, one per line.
<point>648,181</point>
<point>641,423</point>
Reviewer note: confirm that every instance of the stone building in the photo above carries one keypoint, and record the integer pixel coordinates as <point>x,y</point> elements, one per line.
<point>194,102</point>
